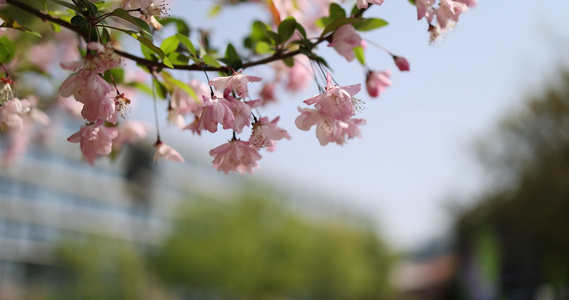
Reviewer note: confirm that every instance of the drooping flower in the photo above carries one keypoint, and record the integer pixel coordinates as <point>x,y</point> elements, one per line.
<point>449,11</point>
<point>166,152</point>
<point>424,8</point>
<point>377,82</point>
<point>236,82</point>
<point>469,3</point>
<point>12,111</point>
<point>365,3</point>
<point>344,40</point>
<point>95,140</point>
<point>336,102</point>
<point>235,156</point>
<point>265,133</point>
<point>215,111</point>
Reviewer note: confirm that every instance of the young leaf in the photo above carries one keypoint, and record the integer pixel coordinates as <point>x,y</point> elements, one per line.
<point>359,52</point>
<point>208,60</point>
<point>276,38</point>
<point>170,44</point>
<point>15,25</point>
<point>186,41</point>
<point>78,21</point>
<point>370,24</point>
<point>123,14</point>
<point>339,23</point>
<point>286,28</point>
<point>231,54</point>
<point>262,47</point>
<point>148,43</point>
<point>7,50</point>
<point>289,61</point>
<point>336,11</point>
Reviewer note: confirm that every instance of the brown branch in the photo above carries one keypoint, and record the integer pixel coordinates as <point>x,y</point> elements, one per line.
<point>159,65</point>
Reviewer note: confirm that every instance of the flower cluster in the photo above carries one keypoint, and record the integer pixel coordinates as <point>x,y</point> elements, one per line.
<point>333,114</point>
<point>99,92</point>
<point>101,102</point>
<point>447,14</point>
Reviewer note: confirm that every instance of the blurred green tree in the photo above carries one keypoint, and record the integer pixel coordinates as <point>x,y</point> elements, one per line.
<point>256,248</point>
<point>526,207</point>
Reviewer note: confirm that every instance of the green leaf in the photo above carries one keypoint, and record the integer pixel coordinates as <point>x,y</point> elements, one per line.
<point>355,10</point>
<point>263,47</point>
<point>170,44</point>
<point>231,53</point>
<point>123,14</point>
<point>178,58</point>
<point>412,2</point>
<point>323,22</point>
<point>289,61</point>
<point>370,24</point>
<point>7,50</point>
<point>336,11</point>
<point>148,43</point>
<point>286,28</point>
<point>105,36</point>
<point>79,21</point>
<point>359,52</point>
<point>161,90</point>
<point>301,30</point>
<point>15,25</point>
<point>186,42</point>
<point>275,37</point>
<point>258,31</point>
<point>339,23</point>
<point>210,61</point>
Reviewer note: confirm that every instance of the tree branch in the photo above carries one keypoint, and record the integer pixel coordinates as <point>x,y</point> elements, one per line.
<point>154,64</point>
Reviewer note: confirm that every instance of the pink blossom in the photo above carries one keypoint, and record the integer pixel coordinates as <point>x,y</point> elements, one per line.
<point>329,130</point>
<point>216,110</point>
<point>364,3</point>
<point>401,63</point>
<point>449,10</point>
<point>103,108</point>
<point>12,111</point>
<point>336,102</point>
<point>166,152</point>
<point>85,85</point>
<point>267,93</point>
<point>469,3</point>
<point>149,10</point>
<point>308,118</point>
<point>236,82</point>
<point>424,7</point>
<point>235,156</point>
<point>265,133</point>
<point>300,74</point>
<point>344,40</point>
<point>95,140</point>
<point>377,82</point>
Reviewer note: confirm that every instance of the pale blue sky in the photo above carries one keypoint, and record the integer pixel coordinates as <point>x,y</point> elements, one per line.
<point>416,146</point>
